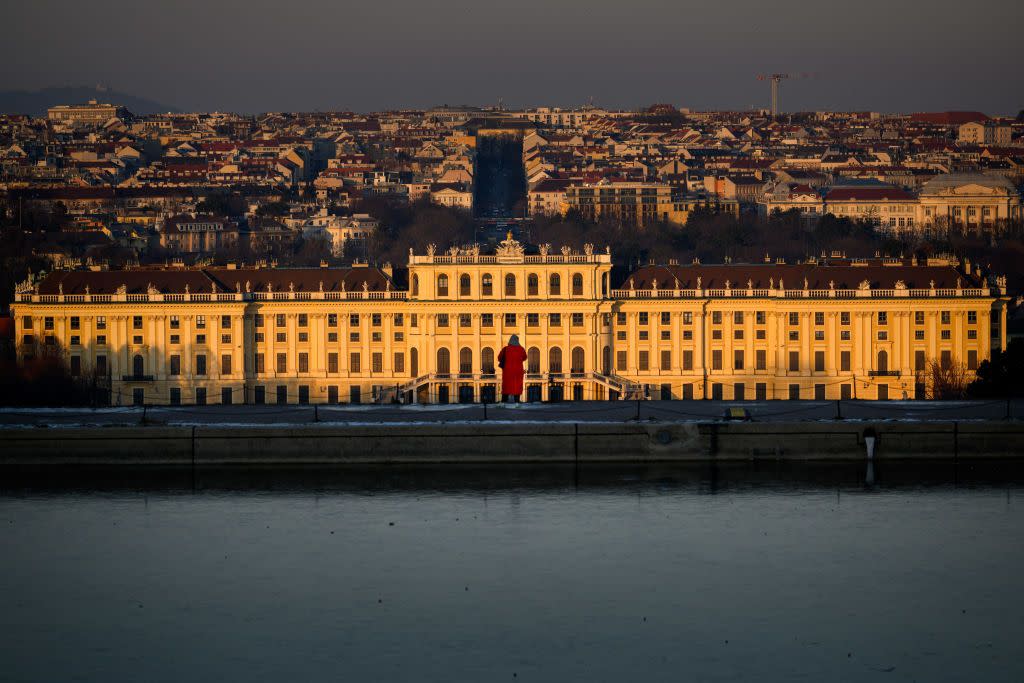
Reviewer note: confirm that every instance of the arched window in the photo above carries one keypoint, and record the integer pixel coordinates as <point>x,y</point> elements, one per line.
<point>442,285</point>
<point>883,361</point>
<point>138,366</point>
<point>533,360</point>
<point>487,285</point>
<point>577,360</point>
<point>554,285</point>
<point>444,361</point>
<point>604,285</point>
<point>465,361</point>
<point>554,359</point>
<point>464,285</point>
<point>414,361</point>
<point>531,284</point>
<point>415,285</point>
<point>487,360</point>
<point>577,284</point>
<point>606,360</point>
<point>510,285</point>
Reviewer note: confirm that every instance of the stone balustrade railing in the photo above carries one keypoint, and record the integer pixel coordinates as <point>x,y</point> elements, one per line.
<point>197,297</point>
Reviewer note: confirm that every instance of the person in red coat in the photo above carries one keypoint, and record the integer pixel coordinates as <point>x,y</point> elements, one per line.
<point>510,360</point>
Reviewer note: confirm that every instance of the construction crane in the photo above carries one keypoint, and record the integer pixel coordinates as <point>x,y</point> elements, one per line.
<point>774,78</point>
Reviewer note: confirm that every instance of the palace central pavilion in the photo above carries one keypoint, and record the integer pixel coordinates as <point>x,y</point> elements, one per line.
<point>822,329</point>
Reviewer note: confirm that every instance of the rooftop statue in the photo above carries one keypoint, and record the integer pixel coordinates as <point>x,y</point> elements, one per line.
<point>510,247</point>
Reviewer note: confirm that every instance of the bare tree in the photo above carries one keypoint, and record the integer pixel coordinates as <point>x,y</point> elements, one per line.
<point>949,380</point>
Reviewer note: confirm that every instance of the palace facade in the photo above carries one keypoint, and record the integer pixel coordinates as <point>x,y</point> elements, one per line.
<point>823,329</point>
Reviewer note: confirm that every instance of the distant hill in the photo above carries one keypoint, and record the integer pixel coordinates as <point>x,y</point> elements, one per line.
<point>36,103</point>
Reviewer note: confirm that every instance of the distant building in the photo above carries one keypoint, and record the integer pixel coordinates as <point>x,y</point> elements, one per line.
<point>985,133</point>
<point>197,234</point>
<point>546,197</point>
<point>454,196</point>
<point>92,114</point>
<point>640,203</point>
<point>969,199</point>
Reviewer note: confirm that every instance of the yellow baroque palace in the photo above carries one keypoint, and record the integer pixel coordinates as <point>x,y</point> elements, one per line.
<point>823,329</point>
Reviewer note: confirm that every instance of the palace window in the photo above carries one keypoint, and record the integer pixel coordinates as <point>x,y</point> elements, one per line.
<point>555,285</point>
<point>464,285</point>
<point>487,285</point>
<point>531,285</point>
<point>442,285</point>
<point>533,360</point>
<point>555,359</point>
<point>510,285</point>
<point>577,284</point>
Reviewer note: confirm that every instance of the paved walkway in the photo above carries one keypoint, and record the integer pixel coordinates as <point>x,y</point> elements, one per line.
<point>587,411</point>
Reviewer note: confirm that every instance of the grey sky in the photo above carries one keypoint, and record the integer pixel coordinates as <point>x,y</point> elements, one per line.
<point>887,55</point>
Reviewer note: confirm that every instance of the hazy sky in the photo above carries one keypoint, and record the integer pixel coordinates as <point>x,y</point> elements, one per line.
<point>888,55</point>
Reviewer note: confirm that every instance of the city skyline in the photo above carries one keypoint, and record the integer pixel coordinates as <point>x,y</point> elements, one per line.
<point>319,57</point>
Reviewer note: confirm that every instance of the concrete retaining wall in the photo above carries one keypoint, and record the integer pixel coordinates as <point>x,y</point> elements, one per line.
<point>505,443</point>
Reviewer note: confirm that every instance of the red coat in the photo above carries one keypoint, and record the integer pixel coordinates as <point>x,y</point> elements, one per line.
<point>511,359</point>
